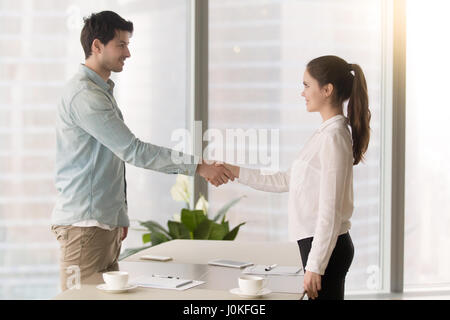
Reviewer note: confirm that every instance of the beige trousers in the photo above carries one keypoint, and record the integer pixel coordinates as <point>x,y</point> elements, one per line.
<point>85,251</point>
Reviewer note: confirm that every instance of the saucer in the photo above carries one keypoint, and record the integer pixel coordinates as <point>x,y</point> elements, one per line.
<point>104,288</point>
<point>260,293</point>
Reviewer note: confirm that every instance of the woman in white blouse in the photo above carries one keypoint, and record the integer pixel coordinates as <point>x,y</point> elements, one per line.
<point>320,180</point>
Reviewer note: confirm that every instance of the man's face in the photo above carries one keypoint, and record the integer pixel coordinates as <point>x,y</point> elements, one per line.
<point>114,53</point>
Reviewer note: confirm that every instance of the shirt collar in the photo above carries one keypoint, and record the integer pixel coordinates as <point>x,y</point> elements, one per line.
<point>91,74</point>
<point>328,122</point>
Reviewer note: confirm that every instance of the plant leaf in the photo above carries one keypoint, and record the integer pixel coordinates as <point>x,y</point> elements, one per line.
<point>233,233</point>
<point>225,208</point>
<point>158,237</point>
<point>192,218</point>
<point>226,226</point>
<point>178,230</point>
<point>203,230</point>
<point>146,237</point>
<point>153,226</point>
<point>218,231</point>
<point>130,251</point>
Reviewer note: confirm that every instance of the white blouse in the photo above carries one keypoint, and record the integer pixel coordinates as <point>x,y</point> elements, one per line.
<point>320,186</point>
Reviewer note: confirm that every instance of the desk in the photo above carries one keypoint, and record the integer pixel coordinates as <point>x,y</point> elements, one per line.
<point>190,258</point>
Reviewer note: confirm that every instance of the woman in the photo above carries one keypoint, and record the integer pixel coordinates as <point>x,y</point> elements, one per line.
<point>320,180</point>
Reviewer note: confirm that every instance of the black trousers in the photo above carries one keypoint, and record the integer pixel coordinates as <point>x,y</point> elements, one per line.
<point>333,281</point>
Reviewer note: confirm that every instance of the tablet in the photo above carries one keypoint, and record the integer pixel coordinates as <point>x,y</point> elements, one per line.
<point>230,263</point>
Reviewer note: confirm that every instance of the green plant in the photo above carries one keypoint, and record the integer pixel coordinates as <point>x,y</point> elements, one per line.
<point>189,224</point>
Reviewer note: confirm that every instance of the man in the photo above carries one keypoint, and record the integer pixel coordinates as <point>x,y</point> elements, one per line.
<point>90,218</point>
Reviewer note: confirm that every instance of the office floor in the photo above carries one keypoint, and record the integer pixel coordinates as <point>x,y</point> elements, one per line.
<point>432,295</point>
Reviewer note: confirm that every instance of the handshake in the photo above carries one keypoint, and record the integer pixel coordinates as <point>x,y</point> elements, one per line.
<point>217,173</point>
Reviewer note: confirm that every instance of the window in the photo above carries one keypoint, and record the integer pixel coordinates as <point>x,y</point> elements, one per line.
<point>258,50</point>
<point>427,178</point>
<point>40,52</point>
<point>258,53</point>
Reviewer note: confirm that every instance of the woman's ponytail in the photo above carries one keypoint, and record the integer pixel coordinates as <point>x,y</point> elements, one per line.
<point>358,114</point>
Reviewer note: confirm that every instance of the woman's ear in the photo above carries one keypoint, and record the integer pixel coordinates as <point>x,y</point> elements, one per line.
<point>328,90</point>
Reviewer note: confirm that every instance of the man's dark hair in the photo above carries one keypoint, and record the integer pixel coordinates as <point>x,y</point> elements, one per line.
<point>102,26</point>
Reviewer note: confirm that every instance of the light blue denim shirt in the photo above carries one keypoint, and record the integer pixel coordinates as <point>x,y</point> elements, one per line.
<point>92,145</point>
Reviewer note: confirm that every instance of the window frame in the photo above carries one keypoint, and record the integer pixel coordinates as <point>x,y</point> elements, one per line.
<point>398,110</point>
<point>199,87</point>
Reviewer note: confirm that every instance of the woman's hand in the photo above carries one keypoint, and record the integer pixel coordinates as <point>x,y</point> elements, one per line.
<point>234,169</point>
<point>214,173</point>
<point>312,284</point>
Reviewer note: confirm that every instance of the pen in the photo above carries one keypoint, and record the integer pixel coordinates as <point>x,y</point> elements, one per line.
<point>162,276</point>
<point>270,267</point>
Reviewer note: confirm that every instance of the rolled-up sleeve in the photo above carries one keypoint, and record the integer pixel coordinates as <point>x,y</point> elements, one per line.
<point>336,163</point>
<point>92,111</point>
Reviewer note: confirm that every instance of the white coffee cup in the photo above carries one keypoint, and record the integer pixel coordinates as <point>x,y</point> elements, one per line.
<point>251,284</point>
<point>116,280</point>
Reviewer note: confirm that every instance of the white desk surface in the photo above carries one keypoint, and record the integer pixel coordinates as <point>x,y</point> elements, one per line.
<point>190,258</point>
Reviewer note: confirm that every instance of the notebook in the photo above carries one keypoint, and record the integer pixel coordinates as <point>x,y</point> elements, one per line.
<point>159,282</point>
<point>229,263</point>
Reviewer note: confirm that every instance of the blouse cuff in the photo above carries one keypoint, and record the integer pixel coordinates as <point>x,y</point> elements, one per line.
<point>244,175</point>
<point>313,266</point>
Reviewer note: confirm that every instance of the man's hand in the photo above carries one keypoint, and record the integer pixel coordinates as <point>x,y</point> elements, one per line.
<point>312,283</point>
<point>234,169</point>
<point>215,174</point>
<point>124,233</point>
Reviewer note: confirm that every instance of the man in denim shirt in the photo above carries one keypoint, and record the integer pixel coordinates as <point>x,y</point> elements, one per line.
<point>90,218</point>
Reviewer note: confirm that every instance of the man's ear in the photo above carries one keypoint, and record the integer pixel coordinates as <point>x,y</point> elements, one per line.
<point>97,46</point>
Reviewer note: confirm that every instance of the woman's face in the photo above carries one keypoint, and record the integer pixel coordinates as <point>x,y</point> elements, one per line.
<point>315,96</point>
